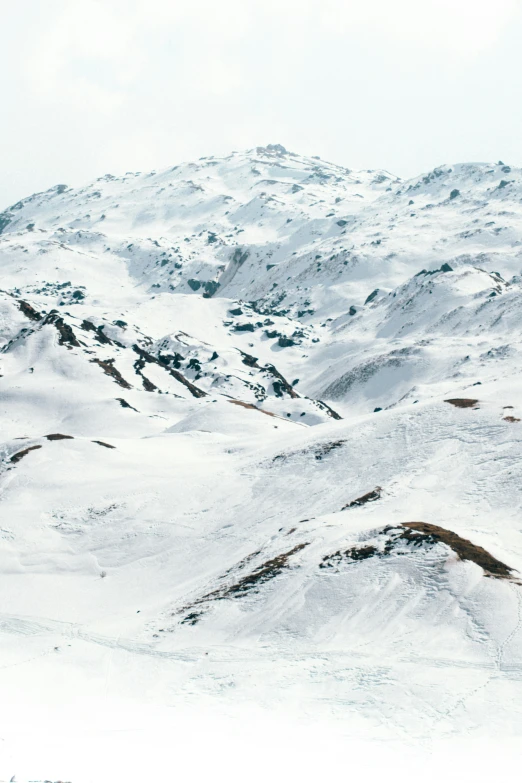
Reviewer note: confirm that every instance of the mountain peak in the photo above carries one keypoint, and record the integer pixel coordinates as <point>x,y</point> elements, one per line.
<point>227,388</point>
<point>272,149</point>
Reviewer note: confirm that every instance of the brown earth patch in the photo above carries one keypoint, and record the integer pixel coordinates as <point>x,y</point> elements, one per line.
<point>99,335</point>
<point>354,553</point>
<point>462,402</point>
<point>29,311</point>
<point>110,370</point>
<point>147,384</point>
<point>125,404</point>
<point>102,443</point>
<point>511,419</point>
<point>58,436</point>
<point>418,532</point>
<point>193,389</point>
<point>252,407</point>
<point>370,497</point>
<point>66,334</point>
<point>21,454</point>
<point>263,573</point>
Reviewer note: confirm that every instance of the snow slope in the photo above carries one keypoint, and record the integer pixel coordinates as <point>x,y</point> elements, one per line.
<point>230,469</point>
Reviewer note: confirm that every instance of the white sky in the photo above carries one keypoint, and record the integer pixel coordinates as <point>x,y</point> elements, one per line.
<point>89,87</point>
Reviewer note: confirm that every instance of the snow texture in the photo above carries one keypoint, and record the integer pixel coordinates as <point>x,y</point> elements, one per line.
<point>223,397</point>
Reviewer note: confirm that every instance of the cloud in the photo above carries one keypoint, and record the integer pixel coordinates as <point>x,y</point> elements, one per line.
<point>464,27</point>
<point>85,56</point>
<point>95,50</point>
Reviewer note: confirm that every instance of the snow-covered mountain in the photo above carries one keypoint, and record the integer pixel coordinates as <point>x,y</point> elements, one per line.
<point>261,440</point>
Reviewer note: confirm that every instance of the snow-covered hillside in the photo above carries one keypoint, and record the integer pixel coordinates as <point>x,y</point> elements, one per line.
<point>261,442</point>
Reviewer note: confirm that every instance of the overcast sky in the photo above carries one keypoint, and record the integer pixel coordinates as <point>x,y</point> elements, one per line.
<point>89,87</point>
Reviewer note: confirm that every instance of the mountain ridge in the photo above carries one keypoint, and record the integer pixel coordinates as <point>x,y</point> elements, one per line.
<point>266,408</point>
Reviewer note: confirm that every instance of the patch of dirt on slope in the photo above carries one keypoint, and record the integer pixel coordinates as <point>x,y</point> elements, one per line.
<point>369,497</point>
<point>99,335</point>
<point>66,334</point>
<point>102,443</point>
<point>419,532</point>
<point>108,368</point>
<point>250,361</point>
<point>252,407</point>
<point>21,454</point>
<point>250,582</point>
<point>392,540</point>
<point>244,562</point>
<point>354,553</point>
<point>263,573</point>
<point>29,311</point>
<point>139,364</point>
<point>58,436</point>
<point>147,384</point>
<point>462,402</point>
<point>125,404</point>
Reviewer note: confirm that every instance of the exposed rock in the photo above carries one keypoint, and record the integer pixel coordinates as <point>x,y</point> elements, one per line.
<point>21,454</point>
